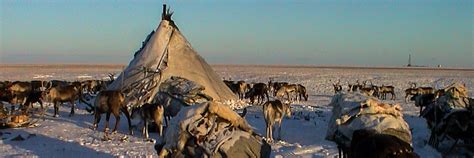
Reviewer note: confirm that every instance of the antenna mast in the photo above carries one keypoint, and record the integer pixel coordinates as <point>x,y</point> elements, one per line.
<point>409,60</point>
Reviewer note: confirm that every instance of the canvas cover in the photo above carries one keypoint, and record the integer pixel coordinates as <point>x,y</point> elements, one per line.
<point>456,98</point>
<point>354,111</point>
<point>167,53</point>
<point>211,129</point>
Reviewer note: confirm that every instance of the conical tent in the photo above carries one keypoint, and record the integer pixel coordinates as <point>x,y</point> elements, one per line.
<point>167,53</point>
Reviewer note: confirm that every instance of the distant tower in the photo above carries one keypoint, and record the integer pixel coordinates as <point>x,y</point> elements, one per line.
<point>409,60</point>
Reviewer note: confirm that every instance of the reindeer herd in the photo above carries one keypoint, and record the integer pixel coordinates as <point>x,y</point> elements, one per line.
<point>23,94</point>
<point>57,92</point>
<point>370,90</point>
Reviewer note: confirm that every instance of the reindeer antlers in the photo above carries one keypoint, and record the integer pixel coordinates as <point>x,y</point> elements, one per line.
<point>111,76</point>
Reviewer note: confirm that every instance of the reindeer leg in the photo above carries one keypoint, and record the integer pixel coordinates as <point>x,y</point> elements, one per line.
<point>117,120</point>
<point>42,109</point>
<point>56,109</point>
<point>421,109</point>
<point>96,120</point>
<point>339,150</point>
<point>41,103</point>
<point>107,118</point>
<point>269,132</point>
<point>266,94</point>
<point>160,129</point>
<point>279,130</point>
<point>272,128</point>
<point>106,129</point>
<point>127,115</point>
<point>145,128</point>
<point>166,121</point>
<point>72,108</point>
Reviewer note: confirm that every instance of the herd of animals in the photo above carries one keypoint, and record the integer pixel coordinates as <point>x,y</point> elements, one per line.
<point>25,94</point>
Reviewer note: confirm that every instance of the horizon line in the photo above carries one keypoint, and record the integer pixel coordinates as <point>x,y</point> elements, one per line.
<point>257,65</point>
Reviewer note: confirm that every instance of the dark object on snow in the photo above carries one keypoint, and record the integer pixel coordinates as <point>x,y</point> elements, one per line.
<point>423,100</point>
<point>370,144</point>
<point>18,138</point>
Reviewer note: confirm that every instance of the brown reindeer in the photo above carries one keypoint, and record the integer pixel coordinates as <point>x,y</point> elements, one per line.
<point>239,88</point>
<point>355,87</point>
<point>110,101</point>
<point>367,91</point>
<point>275,86</point>
<point>259,91</point>
<point>92,86</point>
<point>384,90</point>
<point>273,112</point>
<point>150,112</point>
<point>20,91</point>
<point>413,90</point>
<point>287,90</point>
<point>171,105</point>
<point>60,94</point>
<point>337,87</point>
<point>301,91</point>
<point>37,85</point>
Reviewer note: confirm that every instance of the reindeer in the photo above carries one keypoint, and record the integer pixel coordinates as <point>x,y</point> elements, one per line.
<point>384,90</point>
<point>240,88</point>
<point>337,87</point>
<point>286,90</point>
<point>355,87</point>
<point>367,91</point>
<point>270,85</point>
<point>34,97</point>
<point>367,143</point>
<point>228,82</point>
<point>423,100</point>
<point>37,85</point>
<point>413,90</point>
<point>301,92</point>
<point>259,91</point>
<point>6,97</point>
<point>111,101</point>
<point>61,94</point>
<point>20,91</point>
<point>374,90</point>
<point>4,85</point>
<point>171,105</point>
<point>55,83</point>
<point>276,86</point>
<point>273,112</point>
<point>91,86</point>
<point>153,112</point>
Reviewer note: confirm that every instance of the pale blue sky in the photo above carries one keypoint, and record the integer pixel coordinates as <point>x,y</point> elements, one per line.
<point>321,32</point>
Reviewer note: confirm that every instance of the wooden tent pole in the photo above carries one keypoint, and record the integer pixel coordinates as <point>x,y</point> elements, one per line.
<point>164,12</point>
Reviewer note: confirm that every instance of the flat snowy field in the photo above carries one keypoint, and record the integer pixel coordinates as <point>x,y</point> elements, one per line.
<point>303,134</point>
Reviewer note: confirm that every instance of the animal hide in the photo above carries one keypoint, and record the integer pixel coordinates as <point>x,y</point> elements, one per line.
<point>353,111</point>
<point>215,129</point>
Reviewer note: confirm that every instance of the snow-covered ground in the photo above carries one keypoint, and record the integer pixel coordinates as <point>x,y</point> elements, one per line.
<point>303,134</point>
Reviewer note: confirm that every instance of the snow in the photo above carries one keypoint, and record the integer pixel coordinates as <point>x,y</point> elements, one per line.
<point>303,134</point>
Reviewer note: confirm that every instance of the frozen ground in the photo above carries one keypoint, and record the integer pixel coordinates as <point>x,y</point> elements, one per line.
<point>303,134</point>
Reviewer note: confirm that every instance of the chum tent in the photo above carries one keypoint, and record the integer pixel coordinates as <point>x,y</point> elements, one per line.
<point>166,54</point>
